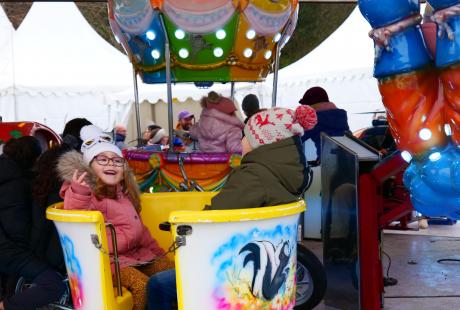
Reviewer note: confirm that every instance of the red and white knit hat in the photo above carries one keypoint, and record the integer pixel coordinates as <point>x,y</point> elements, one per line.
<point>273,125</point>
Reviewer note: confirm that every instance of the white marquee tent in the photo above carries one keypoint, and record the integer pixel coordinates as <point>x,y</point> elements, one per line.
<point>342,64</point>
<point>55,67</point>
<point>6,64</point>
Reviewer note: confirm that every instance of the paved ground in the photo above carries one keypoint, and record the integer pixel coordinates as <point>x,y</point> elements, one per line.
<point>423,283</point>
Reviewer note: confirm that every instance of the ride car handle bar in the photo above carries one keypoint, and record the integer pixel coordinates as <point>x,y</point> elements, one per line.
<point>115,254</point>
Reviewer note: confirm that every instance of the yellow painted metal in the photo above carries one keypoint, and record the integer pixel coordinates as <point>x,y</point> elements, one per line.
<point>55,213</point>
<point>157,207</point>
<point>222,216</point>
<point>177,208</point>
<point>237,215</point>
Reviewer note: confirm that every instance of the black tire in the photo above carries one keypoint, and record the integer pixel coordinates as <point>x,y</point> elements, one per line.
<point>311,279</point>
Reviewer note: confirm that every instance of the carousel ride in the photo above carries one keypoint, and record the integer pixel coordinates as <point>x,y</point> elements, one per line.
<point>202,42</point>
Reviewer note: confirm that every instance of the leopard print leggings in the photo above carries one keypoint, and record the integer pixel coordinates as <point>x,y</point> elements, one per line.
<point>135,278</point>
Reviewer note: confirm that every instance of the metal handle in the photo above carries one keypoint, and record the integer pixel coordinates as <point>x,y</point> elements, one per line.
<point>185,184</point>
<point>115,254</point>
<point>196,186</point>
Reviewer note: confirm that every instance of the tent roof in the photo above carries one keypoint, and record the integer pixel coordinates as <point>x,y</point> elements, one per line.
<point>348,48</point>
<point>6,41</point>
<point>342,64</point>
<point>56,49</point>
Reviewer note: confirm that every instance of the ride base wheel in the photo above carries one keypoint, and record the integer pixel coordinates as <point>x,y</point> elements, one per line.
<point>311,279</point>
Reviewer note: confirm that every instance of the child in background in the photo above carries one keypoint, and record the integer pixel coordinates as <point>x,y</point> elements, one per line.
<point>101,180</point>
<point>273,171</point>
<point>219,129</point>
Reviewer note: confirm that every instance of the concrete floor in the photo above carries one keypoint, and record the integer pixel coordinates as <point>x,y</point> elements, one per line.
<point>423,283</point>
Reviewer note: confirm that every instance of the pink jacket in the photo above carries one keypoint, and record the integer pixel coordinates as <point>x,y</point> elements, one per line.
<point>135,244</point>
<point>218,132</point>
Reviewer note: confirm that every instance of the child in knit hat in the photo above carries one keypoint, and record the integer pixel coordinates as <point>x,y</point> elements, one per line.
<point>100,180</point>
<point>273,171</point>
<point>219,129</point>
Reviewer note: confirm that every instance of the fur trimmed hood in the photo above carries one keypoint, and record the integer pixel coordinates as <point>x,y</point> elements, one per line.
<point>71,161</point>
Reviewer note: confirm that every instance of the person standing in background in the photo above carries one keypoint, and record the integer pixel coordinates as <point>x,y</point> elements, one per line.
<point>331,120</point>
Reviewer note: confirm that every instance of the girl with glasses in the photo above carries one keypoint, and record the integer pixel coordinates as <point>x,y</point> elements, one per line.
<point>100,179</point>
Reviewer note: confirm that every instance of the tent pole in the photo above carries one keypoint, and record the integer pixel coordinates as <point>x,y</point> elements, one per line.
<point>169,87</point>
<point>137,108</point>
<point>232,91</point>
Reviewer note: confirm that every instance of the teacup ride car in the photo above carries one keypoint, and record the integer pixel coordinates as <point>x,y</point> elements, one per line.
<point>45,135</point>
<point>241,259</point>
<point>169,171</point>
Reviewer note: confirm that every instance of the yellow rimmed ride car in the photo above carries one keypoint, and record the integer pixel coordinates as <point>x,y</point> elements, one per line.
<point>225,259</point>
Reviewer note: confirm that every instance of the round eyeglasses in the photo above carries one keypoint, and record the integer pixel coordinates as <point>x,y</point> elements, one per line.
<point>104,160</point>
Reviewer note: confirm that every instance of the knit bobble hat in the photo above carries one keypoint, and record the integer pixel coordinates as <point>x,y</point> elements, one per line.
<point>276,124</point>
<point>95,142</point>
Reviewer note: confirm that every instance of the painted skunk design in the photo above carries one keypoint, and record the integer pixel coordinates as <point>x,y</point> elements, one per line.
<point>270,266</point>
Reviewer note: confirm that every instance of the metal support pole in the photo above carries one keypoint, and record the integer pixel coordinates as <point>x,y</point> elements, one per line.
<point>169,92</point>
<point>275,74</point>
<point>277,64</point>
<point>169,88</point>
<point>137,108</point>
<point>232,91</point>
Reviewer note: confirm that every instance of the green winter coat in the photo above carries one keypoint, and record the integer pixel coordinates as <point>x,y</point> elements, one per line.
<point>270,175</point>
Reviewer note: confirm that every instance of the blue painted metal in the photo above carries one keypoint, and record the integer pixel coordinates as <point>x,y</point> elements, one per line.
<point>442,4</point>
<point>435,185</point>
<point>448,50</point>
<point>408,52</point>
<point>142,48</point>
<point>384,12</point>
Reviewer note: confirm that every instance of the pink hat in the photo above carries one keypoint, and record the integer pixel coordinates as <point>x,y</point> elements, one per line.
<point>218,102</point>
<point>273,125</point>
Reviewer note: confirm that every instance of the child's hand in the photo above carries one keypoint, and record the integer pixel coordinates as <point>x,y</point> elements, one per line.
<point>80,180</point>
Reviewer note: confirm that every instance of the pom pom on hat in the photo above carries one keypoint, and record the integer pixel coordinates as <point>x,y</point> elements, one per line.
<point>273,125</point>
<point>220,103</point>
<point>95,142</point>
<point>306,116</point>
